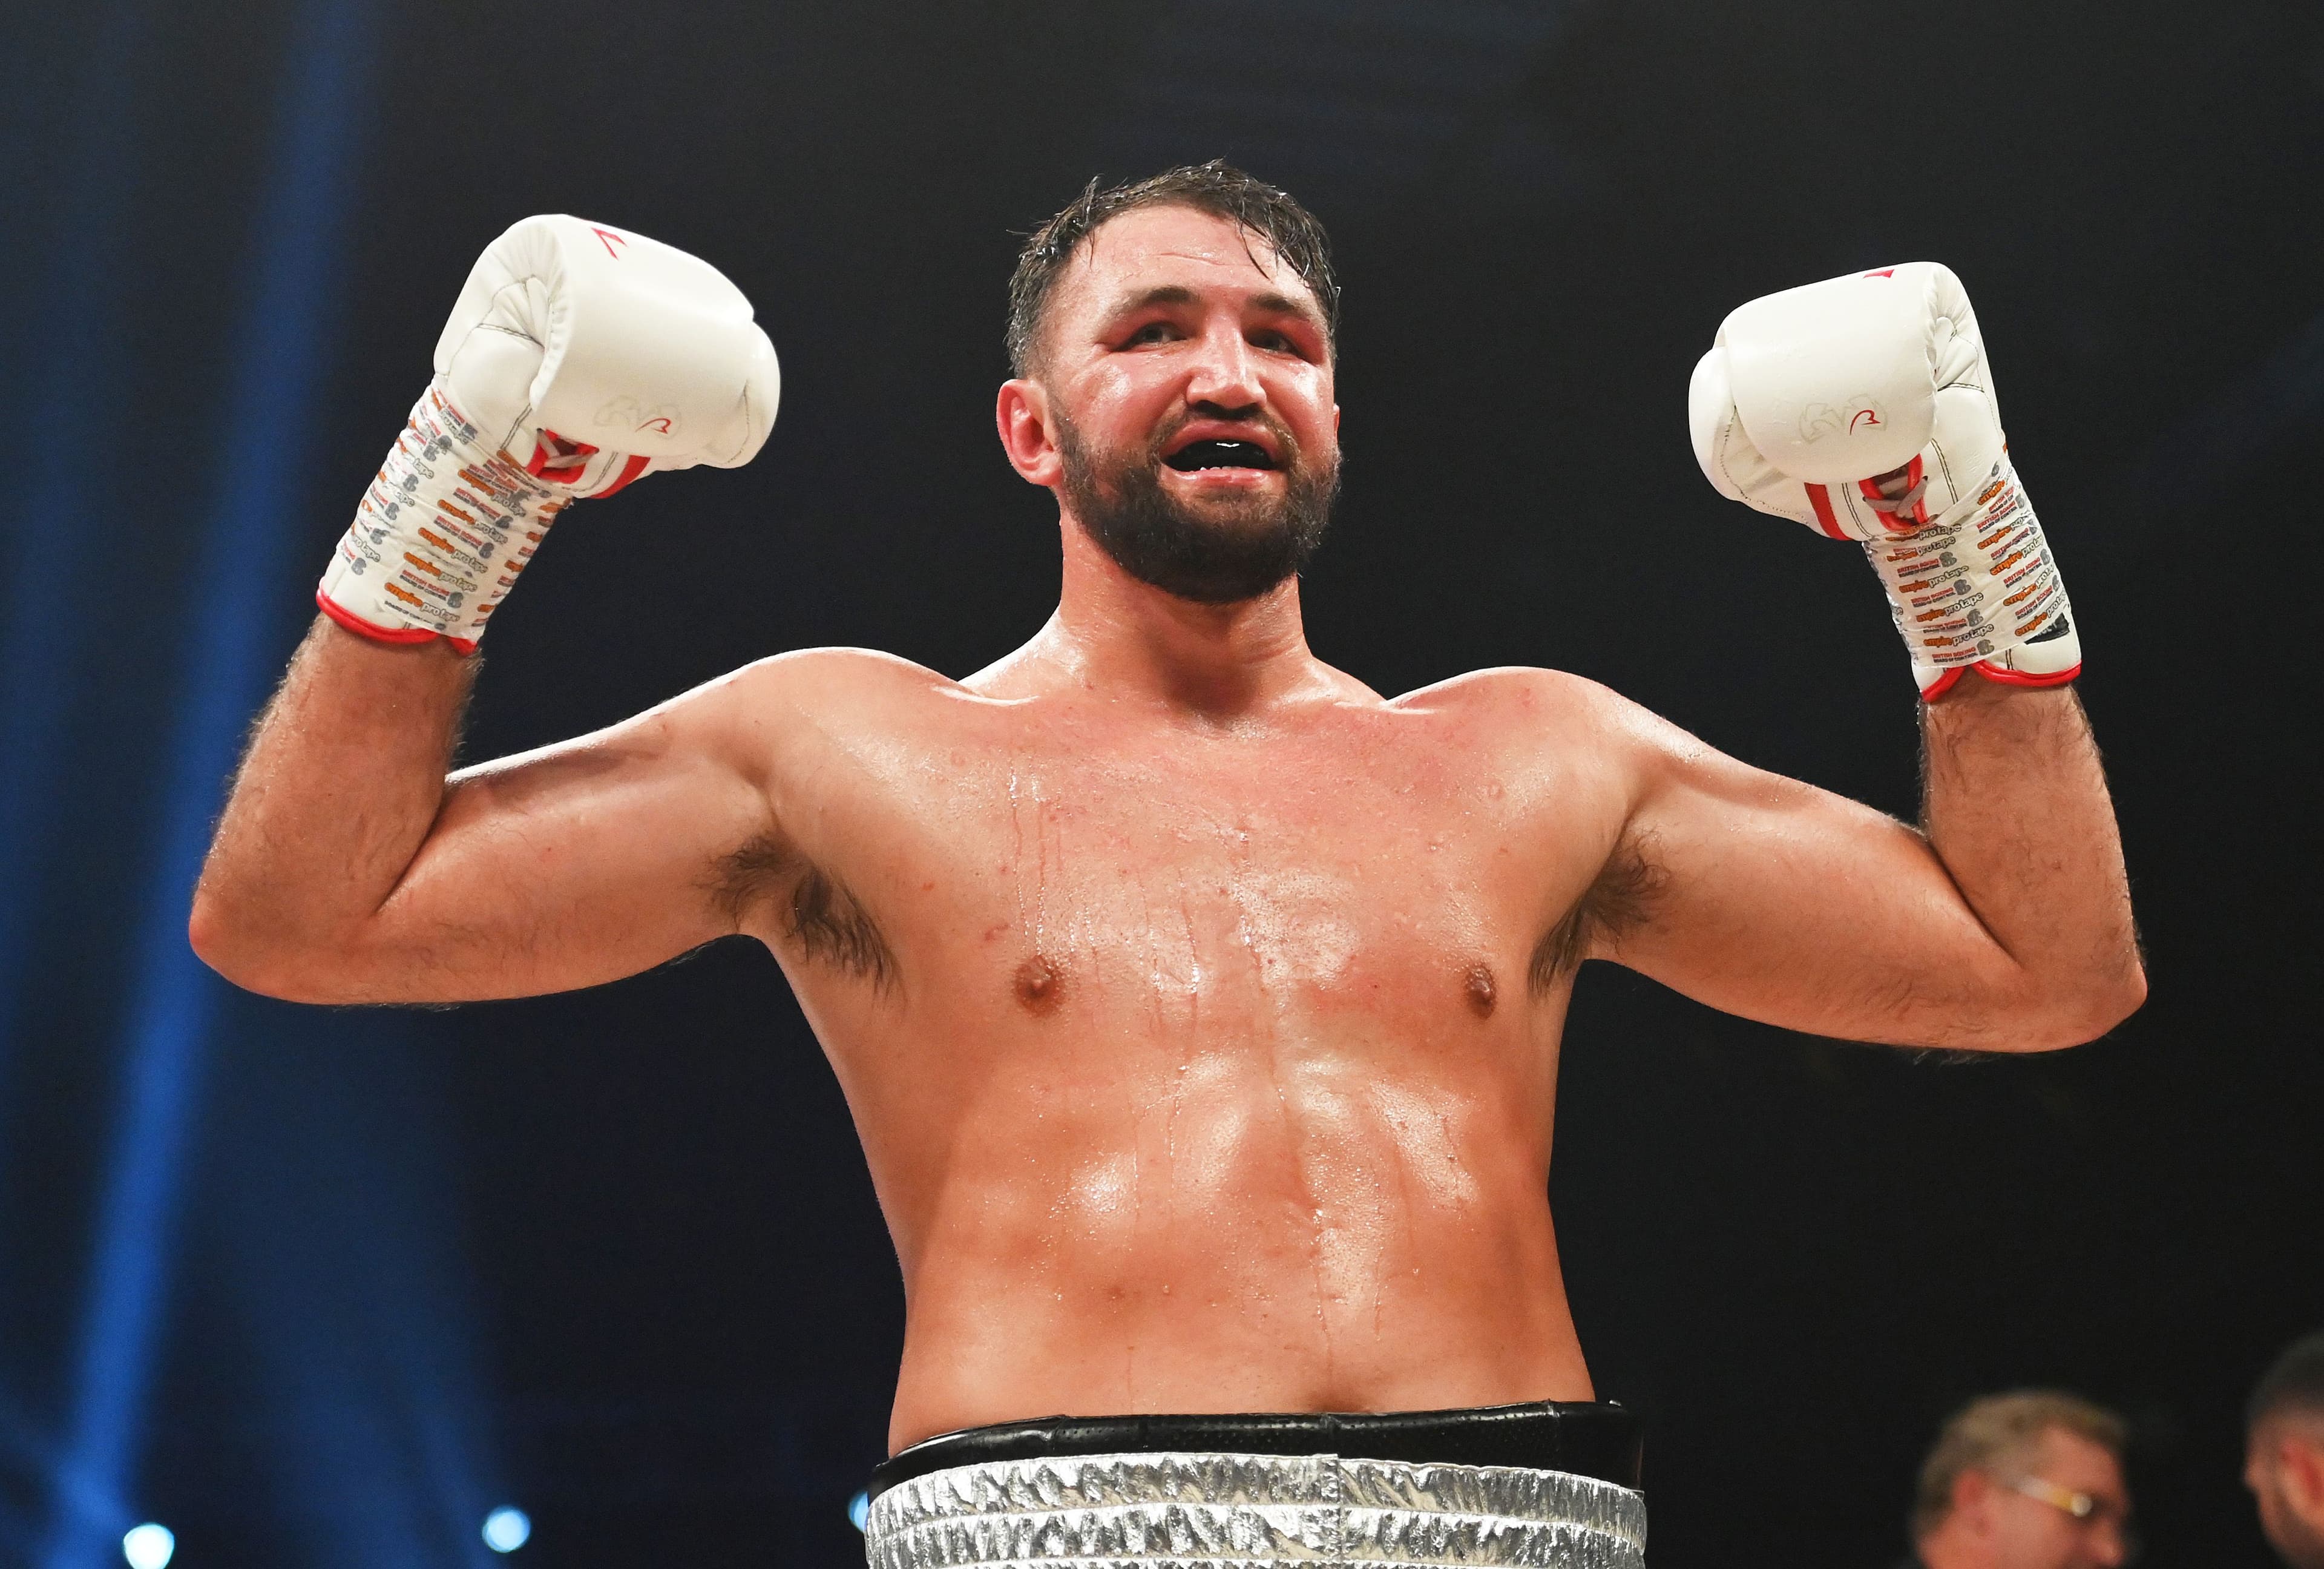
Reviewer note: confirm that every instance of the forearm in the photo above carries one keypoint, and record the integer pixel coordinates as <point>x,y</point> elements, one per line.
<point>342,782</point>
<point>2016,808</point>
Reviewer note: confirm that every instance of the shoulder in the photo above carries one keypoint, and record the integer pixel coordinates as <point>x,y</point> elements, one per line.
<point>806,672</point>
<point>1564,729</point>
<point>1555,704</point>
<point>834,683</point>
<point>794,706</point>
<point>1511,687</point>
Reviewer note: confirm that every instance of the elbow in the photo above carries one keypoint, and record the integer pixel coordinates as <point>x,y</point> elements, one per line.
<point>230,943</point>
<point>2130,993</point>
<point>216,939</point>
<point>2067,1016</point>
<point>224,941</point>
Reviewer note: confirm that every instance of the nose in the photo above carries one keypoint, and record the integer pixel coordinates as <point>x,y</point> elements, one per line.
<point>1224,371</point>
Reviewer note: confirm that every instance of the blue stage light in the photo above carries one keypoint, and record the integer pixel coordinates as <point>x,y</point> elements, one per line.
<point>506,1529</point>
<point>268,412</point>
<point>148,1546</point>
<point>858,1510</point>
<point>77,351</point>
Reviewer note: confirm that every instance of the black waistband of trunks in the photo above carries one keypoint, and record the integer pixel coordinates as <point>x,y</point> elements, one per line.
<point>1585,1437</point>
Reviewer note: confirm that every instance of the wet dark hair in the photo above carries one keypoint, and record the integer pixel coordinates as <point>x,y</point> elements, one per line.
<point>1217,188</point>
<point>2293,1386</point>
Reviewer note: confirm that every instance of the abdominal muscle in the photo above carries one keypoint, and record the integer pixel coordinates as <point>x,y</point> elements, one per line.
<point>1206,1087</point>
<point>1345,1225</point>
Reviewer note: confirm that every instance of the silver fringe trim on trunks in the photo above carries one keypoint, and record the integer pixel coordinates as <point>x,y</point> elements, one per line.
<point>1209,1511</point>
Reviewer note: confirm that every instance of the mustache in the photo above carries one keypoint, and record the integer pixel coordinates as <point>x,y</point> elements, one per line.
<point>1292,456</point>
<point>1121,504</point>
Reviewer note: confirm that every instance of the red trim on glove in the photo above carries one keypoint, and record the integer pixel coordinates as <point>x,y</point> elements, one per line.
<point>1820,499</point>
<point>2028,677</point>
<point>631,469</point>
<point>568,465</point>
<point>402,636</point>
<point>1950,678</point>
<point>361,628</point>
<point>1920,508</point>
<point>1945,682</point>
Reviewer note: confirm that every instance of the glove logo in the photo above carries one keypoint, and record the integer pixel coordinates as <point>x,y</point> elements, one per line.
<point>661,420</point>
<point>1818,420</point>
<point>608,238</point>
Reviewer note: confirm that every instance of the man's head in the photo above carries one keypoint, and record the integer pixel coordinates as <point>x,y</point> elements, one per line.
<point>1172,342</point>
<point>2031,1479</point>
<point>2284,1452</point>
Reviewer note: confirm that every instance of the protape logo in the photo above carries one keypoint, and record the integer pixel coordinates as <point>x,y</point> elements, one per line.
<point>628,414</point>
<point>1818,420</point>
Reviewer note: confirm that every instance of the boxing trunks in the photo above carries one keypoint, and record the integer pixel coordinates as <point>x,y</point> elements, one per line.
<point>1550,1484</point>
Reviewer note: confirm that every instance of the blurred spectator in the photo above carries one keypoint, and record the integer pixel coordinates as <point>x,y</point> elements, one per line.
<point>2284,1452</point>
<point>2031,1479</point>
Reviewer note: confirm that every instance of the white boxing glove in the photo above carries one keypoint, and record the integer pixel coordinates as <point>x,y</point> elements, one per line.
<point>579,358</point>
<point>1863,408</point>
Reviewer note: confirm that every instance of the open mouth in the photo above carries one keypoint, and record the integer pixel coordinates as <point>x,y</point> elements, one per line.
<point>1200,454</point>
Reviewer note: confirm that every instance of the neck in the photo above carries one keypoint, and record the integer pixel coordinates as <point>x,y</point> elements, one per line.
<point>1117,634</point>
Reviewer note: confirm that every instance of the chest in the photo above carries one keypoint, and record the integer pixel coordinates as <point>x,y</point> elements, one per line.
<point>1364,871</point>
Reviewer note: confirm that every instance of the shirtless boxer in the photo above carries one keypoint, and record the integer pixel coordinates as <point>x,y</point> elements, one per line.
<point>1198,1008</point>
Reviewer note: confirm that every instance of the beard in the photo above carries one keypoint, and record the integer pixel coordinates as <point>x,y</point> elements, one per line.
<point>1234,550</point>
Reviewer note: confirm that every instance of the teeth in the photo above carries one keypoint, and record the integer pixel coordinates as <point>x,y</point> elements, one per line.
<point>1200,454</point>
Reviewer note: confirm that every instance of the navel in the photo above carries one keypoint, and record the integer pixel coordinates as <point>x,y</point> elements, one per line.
<point>1479,988</point>
<point>1040,987</point>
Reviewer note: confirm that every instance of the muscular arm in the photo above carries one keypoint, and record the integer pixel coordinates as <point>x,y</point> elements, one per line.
<point>2004,924</point>
<point>349,868</point>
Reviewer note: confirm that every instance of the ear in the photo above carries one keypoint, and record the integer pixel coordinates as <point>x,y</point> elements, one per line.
<point>2300,1465</point>
<point>1972,1491</point>
<point>1022,413</point>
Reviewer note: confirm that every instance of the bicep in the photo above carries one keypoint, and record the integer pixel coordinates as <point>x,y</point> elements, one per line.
<point>572,865</point>
<point>1784,903</point>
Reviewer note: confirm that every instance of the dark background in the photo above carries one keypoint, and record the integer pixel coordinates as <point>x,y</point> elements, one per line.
<point>316,1286</point>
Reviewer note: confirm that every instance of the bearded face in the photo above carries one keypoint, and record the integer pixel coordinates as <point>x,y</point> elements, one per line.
<point>1219,545</point>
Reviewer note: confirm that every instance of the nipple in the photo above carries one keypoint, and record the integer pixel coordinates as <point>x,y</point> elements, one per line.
<point>1038,985</point>
<point>1479,988</point>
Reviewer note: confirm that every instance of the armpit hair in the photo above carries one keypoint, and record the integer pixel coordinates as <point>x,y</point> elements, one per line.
<point>819,915</point>
<point>1621,899</point>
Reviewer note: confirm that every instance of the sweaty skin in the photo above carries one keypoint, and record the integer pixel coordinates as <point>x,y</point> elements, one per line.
<point>1198,1008</point>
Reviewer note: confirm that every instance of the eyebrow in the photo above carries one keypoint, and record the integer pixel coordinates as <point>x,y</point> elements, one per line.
<point>1270,301</point>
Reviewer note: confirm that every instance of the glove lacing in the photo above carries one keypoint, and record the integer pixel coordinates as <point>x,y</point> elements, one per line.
<point>1899,509</point>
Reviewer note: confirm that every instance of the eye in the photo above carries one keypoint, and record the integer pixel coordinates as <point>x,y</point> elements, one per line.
<point>1152,332</point>
<point>1276,341</point>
